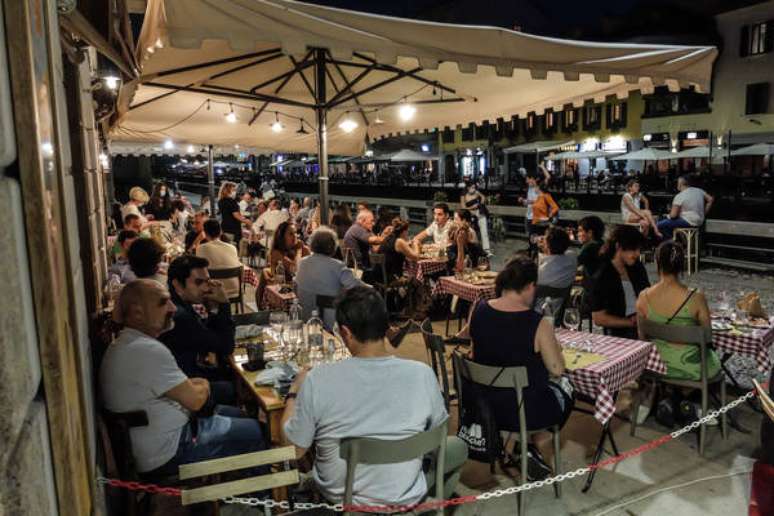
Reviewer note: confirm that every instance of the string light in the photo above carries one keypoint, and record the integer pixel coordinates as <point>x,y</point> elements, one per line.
<point>276,126</point>
<point>168,145</point>
<point>231,116</point>
<point>111,81</point>
<point>406,112</point>
<point>348,125</point>
<point>190,149</point>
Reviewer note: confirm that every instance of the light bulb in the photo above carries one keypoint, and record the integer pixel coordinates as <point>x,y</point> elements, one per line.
<point>276,127</point>
<point>231,117</point>
<point>406,112</point>
<point>190,149</point>
<point>111,81</point>
<point>348,125</point>
<point>168,145</point>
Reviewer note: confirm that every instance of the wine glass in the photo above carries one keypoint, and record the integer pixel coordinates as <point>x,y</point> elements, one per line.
<point>482,264</point>
<point>276,320</point>
<point>572,319</point>
<point>292,338</point>
<point>723,304</point>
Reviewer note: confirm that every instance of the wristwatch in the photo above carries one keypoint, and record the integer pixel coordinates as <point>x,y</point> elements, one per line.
<point>291,396</point>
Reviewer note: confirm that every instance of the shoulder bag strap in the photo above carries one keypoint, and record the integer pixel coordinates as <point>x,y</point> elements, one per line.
<point>685,302</point>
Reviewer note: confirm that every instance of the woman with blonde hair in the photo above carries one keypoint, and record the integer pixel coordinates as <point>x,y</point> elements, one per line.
<point>231,216</point>
<point>138,197</point>
<point>635,209</point>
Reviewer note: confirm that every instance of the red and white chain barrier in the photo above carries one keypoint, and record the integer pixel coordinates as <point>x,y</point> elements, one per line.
<point>438,504</point>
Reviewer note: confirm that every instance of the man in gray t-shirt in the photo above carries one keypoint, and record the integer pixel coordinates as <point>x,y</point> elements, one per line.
<point>689,208</point>
<point>372,394</point>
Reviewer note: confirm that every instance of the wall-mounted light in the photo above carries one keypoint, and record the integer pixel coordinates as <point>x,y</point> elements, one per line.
<point>647,137</point>
<point>425,147</point>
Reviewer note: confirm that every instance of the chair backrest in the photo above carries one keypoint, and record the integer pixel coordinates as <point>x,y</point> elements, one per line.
<point>324,302</point>
<point>118,425</point>
<point>436,349</point>
<point>364,450</point>
<point>238,487</point>
<point>260,318</point>
<point>378,264</point>
<point>230,273</point>
<point>700,336</point>
<point>515,378</point>
<point>561,294</point>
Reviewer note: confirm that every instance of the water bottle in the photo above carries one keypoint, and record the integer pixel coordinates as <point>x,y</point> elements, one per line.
<point>314,335</point>
<point>279,273</point>
<point>330,350</point>
<point>295,311</point>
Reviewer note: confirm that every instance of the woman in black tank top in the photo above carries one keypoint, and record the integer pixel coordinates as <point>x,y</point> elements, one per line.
<point>506,332</point>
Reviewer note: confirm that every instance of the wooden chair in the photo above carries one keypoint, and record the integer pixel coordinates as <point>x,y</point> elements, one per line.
<point>563,294</point>
<point>515,378</point>
<point>691,240</point>
<point>377,451</point>
<point>231,273</point>
<point>701,337</point>
<point>215,492</point>
<point>260,318</point>
<point>436,350</point>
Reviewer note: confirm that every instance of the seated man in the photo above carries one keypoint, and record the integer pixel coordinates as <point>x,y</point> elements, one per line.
<point>689,208</point>
<point>133,222</point>
<point>338,400</point>
<point>145,256</point>
<point>121,267</point>
<point>139,373</point>
<point>321,274</point>
<point>439,229</point>
<point>359,239</point>
<point>556,267</point>
<point>220,255</point>
<point>193,337</point>
<point>196,236</point>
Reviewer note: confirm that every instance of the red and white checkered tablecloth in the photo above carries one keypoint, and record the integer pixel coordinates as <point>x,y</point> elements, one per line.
<point>250,276</point>
<point>756,344</point>
<point>424,268</point>
<point>464,290</point>
<point>275,300</point>
<point>626,359</point>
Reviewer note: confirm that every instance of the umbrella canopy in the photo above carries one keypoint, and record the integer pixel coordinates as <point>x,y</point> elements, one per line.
<point>647,154</point>
<point>257,59</point>
<point>159,149</point>
<point>585,155</point>
<point>411,155</point>
<point>759,149</point>
<point>533,147</point>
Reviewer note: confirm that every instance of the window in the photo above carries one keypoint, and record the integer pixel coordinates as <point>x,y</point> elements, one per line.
<point>756,39</point>
<point>530,121</point>
<point>757,100</point>
<point>592,117</point>
<point>448,135</point>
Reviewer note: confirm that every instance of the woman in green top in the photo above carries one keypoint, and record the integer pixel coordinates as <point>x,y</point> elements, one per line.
<point>671,302</point>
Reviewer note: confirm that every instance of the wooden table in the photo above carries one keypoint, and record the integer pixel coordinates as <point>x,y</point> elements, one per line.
<point>268,399</point>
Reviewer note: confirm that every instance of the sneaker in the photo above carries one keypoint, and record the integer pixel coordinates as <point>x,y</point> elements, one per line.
<point>643,411</point>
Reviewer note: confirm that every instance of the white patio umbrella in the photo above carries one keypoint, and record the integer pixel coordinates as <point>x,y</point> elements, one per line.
<point>646,154</point>
<point>759,149</point>
<point>405,155</point>
<point>286,75</point>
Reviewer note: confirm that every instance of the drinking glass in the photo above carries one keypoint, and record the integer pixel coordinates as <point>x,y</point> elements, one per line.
<point>276,320</point>
<point>723,304</point>
<point>572,319</point>
<point>292,339</point>
<point>482,264</point>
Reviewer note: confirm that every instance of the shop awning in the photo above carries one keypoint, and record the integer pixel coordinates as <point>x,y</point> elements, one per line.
<point>533,147</point>
<point>759,149</point>
<point>647,154</point>
<point>258,58</point>
<point>405,155</point>
<point>585,155</point>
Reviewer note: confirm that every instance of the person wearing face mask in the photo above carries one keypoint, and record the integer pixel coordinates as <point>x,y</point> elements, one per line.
<point>138,372</point>
<point>618,282</point>
<point>160,205</point>
<point>231,216</point>
<point>474,201</point>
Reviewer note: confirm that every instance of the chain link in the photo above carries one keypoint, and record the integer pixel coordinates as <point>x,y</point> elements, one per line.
<point>437,504</point>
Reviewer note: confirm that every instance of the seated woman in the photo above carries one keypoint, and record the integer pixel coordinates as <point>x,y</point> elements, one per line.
<point>620,279</point>
<point>635,209</point>
<point>670,302</point>
<point>464,242</point>
<point>591,233</point>
<point>556,267</point>
<point>397,247</point>
<point>286,249</point>
<point>506,332</point>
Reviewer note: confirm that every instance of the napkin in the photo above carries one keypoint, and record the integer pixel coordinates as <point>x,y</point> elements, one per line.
<point>576,359</point>
<point>751,303</point>
<point>276,374</point>
<point>247,330</point>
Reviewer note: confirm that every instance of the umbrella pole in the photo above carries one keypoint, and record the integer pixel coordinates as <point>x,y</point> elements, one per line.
<point>211,180</point>
<point>322,133</point>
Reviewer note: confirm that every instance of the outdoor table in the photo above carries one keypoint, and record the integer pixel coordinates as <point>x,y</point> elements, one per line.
<point>425,268</point>
<point>276,300</point>
<point>464,289</point>
<point>756,344</point>
<point>625,361</point>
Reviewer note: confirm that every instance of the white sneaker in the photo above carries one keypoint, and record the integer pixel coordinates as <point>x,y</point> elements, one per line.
<point>643,411</point>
